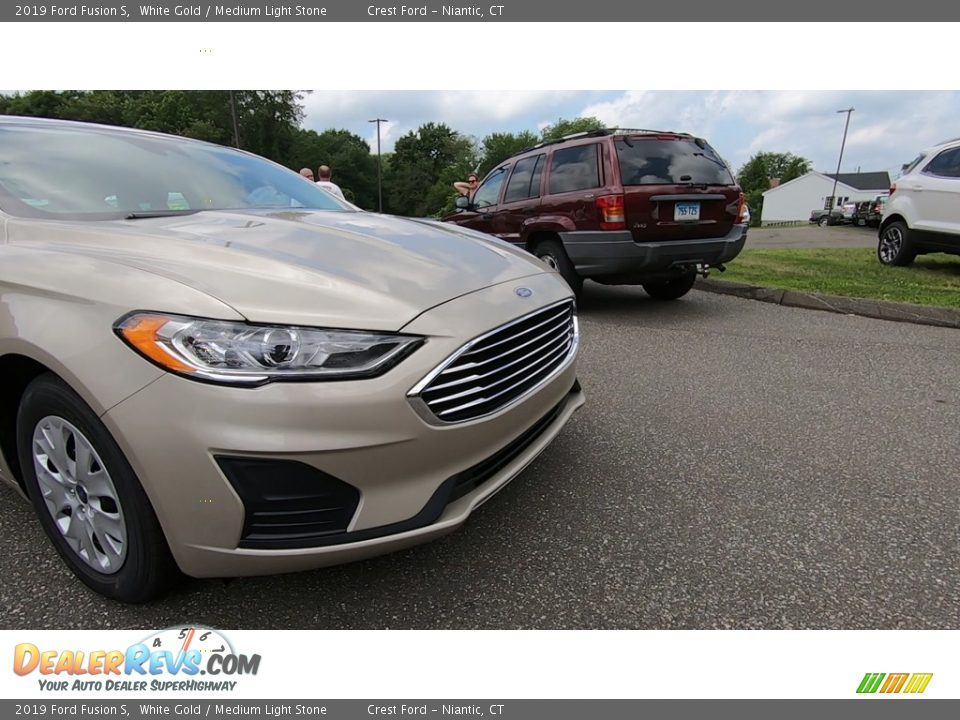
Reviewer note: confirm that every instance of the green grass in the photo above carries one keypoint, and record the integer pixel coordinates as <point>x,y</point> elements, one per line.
<point>931,280</point>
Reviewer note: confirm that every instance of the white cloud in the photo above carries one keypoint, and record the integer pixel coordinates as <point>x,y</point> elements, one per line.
<point>389,132</point>
<point>681,111</point>
<point>486,105</point>
<point>472,112</point>
<point>886,128</point>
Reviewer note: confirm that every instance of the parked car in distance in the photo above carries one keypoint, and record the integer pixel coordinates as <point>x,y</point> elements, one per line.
<point>848,213</point>
<point>826,217</point>
<point>922,214</point>
<point>862,213</point>
<point>616,206</point>
<point>874,214</point>
<point>213,367</point>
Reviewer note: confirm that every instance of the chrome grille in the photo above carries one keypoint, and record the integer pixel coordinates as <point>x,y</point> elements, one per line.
<point>498,368</point>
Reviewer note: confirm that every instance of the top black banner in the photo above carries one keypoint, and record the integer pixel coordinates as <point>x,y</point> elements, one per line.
<point>740,11</point>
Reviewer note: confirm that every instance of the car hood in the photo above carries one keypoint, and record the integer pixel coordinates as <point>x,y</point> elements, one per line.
<point>319,268</point>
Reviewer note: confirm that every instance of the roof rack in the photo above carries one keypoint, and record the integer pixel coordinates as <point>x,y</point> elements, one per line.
<point>601,132</point>
<point>646,131</point>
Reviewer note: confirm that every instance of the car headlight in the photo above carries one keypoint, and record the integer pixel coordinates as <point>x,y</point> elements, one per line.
<point>238,353</point>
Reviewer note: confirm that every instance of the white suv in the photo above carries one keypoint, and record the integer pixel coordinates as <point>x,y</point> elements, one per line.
<point>923,213</point>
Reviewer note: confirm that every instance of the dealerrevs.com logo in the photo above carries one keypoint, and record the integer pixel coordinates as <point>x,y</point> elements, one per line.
<point>887,684</point>
<point>171,659</point>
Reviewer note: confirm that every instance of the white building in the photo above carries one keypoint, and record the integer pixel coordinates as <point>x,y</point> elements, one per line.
<point>795,200</point>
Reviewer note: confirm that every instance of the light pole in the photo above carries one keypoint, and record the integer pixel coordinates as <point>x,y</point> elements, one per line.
<point>379,166</point>
<point>233,117</point>
<point>833,195</point>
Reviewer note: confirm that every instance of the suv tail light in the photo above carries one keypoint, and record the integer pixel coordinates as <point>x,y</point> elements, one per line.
<point>612,215</point>
<point>893,189</point>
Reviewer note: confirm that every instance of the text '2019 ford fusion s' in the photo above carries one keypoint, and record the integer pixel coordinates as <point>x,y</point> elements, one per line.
<point>211,366</point>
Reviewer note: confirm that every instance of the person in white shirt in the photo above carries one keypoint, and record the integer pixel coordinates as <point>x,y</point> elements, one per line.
<point>323,172</point>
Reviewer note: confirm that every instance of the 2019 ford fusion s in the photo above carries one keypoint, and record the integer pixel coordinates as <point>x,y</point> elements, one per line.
<point>210,366</point>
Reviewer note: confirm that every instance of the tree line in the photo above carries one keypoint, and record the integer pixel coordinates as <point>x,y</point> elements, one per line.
<point>417,176</point>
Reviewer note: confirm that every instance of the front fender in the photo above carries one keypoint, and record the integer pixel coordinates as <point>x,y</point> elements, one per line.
<point>58,309</point>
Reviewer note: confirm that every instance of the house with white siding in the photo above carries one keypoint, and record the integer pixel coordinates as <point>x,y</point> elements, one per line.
<point>794,200</point>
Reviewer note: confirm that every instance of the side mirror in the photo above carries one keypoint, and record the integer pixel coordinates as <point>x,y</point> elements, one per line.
<point>462,203</point>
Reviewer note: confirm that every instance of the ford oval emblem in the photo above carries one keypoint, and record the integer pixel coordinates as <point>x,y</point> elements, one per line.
<point>523,292</point>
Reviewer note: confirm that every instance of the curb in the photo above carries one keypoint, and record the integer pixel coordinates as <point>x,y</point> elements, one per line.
<point>880,309</point>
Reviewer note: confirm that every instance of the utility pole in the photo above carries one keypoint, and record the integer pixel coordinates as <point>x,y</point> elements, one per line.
<point>233,116</point>
<point>379,165</point>
<point>833,195</point>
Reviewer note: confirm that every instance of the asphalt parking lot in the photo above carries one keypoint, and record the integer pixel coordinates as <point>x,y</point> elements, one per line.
<point>738,465</point>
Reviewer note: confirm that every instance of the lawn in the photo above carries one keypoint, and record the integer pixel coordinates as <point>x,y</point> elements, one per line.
<point>931,280</point>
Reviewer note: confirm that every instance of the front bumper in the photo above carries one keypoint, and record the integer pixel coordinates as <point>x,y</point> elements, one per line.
<point>363,433</point>
<point>599,254</point>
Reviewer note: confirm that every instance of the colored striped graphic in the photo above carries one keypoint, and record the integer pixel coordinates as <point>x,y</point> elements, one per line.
<point>918,682</point>
<point>894,683</point>
<point>870,683</point>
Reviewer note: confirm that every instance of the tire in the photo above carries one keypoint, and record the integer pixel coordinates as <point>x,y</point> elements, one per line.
<point>552,253</point>
<point>894,247</point>
<point>824,221</point>
<point>671,289</point>
<point>88,499</point>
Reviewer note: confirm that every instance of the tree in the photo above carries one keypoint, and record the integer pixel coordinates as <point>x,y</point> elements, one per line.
<point>497,147</point>
<point>266,118</point>
<point>419,178</point>
<point>755,176</point>
<point>348,156</point>
<point>564,127</point>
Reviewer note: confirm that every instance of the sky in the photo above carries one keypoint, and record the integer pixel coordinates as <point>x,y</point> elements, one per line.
<point>887,128</point>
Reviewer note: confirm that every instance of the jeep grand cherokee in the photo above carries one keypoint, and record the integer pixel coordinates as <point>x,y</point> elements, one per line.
<point>616,206</point>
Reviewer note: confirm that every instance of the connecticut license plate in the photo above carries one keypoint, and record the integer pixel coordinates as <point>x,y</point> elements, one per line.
<point>686,211</point>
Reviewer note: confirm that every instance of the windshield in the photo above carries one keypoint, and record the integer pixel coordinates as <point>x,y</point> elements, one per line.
<point>655,161</point>
<point>89,173</point>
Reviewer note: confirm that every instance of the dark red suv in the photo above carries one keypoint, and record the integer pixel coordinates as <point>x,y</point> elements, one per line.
<point>621,207</point>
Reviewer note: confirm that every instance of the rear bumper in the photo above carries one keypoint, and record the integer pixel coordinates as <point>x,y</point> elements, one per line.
<point>596,254</point>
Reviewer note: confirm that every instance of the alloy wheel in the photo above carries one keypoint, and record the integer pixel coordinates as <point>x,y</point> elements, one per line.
<point>890,244</point>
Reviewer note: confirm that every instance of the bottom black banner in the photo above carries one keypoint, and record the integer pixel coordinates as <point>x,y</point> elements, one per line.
<point>872,708</point>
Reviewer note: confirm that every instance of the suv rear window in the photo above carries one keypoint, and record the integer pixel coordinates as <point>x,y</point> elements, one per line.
<point>670,162</point>
<point>574,168</point>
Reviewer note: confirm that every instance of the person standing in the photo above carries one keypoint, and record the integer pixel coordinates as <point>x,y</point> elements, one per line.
<point>469,187</point>
<point>307,174</point>
<point>323,172</point>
